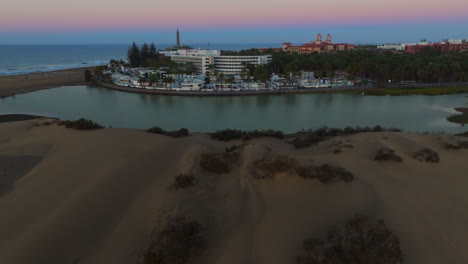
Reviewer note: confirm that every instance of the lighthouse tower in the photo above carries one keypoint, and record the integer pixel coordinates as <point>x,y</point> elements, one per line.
<point>318,39</point>
<point>178,38</point>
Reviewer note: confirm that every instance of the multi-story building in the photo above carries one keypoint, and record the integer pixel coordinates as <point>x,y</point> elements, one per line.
<point>228,65</point>
<point>317,46</point>
<point>444,47</point>
<point>233,65</point>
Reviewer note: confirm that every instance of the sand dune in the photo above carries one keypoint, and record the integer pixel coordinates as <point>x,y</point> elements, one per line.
<point>25,83</point>
<point>99,196</point>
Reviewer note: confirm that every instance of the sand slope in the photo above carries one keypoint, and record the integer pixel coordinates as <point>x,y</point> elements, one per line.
<point>25,83</point>
<point>97,196</point>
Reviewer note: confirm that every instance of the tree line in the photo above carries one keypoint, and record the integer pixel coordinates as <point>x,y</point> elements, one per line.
<point>142,56</point>
<point>381,66</point>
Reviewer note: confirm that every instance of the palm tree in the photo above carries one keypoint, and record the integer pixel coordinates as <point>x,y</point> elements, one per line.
<point>154,80</point>
<point>211,68</point>
<point>168,81</point>
<point>230,80</point>
<point>141,81</point>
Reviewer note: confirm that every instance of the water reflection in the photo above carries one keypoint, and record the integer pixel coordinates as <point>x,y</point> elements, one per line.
<point>289,113</point>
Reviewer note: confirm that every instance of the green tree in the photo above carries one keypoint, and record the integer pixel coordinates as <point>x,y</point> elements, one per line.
<point>168,81</point>
<point>262,73</point>
<point>88,75</point>
<point>144,54</point>
<point>142,81</point>
<point>133,55</point>
<point>153,52</point>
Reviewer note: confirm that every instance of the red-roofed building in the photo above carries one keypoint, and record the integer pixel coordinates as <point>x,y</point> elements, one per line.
<point>442,47</point>
<point>317,46</point>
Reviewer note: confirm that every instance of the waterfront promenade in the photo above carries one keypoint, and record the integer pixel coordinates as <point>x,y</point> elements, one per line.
<point>160,91</point>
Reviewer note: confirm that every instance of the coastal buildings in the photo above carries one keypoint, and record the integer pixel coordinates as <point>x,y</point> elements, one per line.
<point>233,65</point>
<point>317,46</point>
<point>444,46</point>
<point>227,65</point>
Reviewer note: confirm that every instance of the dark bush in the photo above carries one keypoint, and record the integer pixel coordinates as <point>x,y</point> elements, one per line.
<point>177,243</point>
<point>457,146</point>
<point>427,155</point>
<point>325,173</point>
<point>357,242</point>
<point>81,124</point>
<point>184,181</point>
<point>214,163</point>
<point>183,132</point>
<point>227,134</point>
<point>233,134</point>
<point>387,154</point>
<point>306,138</point>
<point>233,148</point>
<point>267,168</point>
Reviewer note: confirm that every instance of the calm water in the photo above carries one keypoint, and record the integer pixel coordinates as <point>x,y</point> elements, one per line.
<point>289,113</point>
<point>20,59</point>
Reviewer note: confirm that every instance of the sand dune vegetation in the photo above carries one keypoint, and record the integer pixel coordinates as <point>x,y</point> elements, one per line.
<point>127,196</point>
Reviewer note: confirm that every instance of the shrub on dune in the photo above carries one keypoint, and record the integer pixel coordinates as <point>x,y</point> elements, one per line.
<point>387,154</point>
<point>267,168</point>
<point>233,134</point>
<point>214,163</point>
<point>177,243</point>
<point>325,173</point>
<point>183,132</point>
<point>306,138</point>
<point>81,124</point>
<point>183,181</point>
<point>427,155</point>
<point>357,242</point>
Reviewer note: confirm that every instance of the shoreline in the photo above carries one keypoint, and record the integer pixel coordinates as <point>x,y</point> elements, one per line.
<point>429,89</point>
<point>25,83</point>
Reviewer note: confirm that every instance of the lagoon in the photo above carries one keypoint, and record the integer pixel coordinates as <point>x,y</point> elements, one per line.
<point>289,113</point>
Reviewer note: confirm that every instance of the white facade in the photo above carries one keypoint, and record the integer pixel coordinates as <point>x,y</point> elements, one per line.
<point>200,62</point>
<point>233,65</point>
<point>228,65</point>
<point>398,47</point>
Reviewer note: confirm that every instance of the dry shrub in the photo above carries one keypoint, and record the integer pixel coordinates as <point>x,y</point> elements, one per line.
<point>177,243</point>
<point>81,124</point>
<point>387,154</point>
<point>267,168</point>
<point>184,181</point>
<point>214,163</point>
<point>427,155</point>
<point>325,173</point>
<point>183,132</point>
<point>457,146</point>
<point>357,242</point>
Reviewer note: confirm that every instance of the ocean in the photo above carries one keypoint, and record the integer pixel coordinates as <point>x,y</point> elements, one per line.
<point>22,59</point>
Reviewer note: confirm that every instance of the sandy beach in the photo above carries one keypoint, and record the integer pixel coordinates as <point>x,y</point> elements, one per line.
<point>25,83</point>
<point>70,196</point>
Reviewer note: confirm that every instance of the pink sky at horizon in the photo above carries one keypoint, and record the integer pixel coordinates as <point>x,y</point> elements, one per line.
<point>51,15</point>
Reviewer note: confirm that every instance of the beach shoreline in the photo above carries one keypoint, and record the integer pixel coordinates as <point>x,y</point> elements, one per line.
<point>31,82</point>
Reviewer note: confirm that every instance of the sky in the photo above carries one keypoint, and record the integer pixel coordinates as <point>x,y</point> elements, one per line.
<point>239,21</point>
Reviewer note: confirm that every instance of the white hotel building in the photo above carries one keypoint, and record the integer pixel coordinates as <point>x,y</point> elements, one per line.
<point>228,65</point>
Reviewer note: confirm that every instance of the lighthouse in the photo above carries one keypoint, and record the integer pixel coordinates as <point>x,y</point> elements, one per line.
<point>178,39</point>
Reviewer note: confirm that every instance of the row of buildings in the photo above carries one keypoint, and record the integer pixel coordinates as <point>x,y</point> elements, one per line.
<point>317,46</point>
<point>212,60</point>
<point>447,45</point>
<point>140,78</point>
